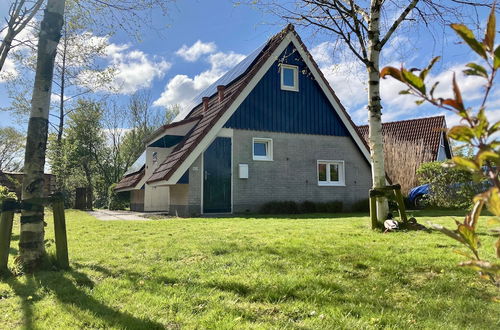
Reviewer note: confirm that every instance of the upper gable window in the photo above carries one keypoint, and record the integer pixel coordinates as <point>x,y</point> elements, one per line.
<point>289,77</point>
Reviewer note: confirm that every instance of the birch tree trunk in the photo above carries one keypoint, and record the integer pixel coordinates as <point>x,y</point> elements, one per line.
<point>375,137</point>
<point>31,241</point>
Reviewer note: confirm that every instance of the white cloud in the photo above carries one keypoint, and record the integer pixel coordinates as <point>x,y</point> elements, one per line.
<point>348,79</point>
<point>133,69</point>
<point>198,49</point>
<point>181,89</point>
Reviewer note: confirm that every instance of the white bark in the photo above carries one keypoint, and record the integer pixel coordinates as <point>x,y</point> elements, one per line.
<point>375,137</point>
<point>31,241</point>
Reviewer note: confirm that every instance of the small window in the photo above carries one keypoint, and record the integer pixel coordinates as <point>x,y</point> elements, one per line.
<point>262,149</point>
<point>331,173</point>
<point>289,77</point>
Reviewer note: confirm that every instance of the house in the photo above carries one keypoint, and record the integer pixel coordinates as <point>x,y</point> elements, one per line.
<point>14,180</point>
<point>431,131</point>
<point>270,129</point>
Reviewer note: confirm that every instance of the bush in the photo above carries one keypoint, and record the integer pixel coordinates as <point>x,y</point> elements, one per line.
<point>307,207</point>
<point>291,207</point>
<point>451,187</point>
<point>329,207</point>
<point>362,205</point>
<point>285,207</point>
<point>116,201</point>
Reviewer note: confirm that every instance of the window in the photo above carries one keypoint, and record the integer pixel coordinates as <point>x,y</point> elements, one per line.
<point>262,149</point>
<point>289,77</point>
<point>331,173</point>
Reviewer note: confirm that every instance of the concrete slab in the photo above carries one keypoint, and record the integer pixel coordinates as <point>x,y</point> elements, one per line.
<point>107,215</point>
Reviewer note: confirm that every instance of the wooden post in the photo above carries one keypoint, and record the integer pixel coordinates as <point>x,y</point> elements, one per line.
<point>6,220</point>
<point>60,231</point>
<point>401,203</point>
<point>373,212</point>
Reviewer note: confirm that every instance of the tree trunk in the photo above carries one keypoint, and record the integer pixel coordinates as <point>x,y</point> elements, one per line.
<point>31,241</point>
<point>375,137</point>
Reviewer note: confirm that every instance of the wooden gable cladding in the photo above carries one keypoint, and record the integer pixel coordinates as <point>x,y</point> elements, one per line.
<point>269,108</point>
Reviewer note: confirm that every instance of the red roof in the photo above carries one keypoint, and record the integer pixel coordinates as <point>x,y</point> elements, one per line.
<point>131,180</point>
<point>429,130</point>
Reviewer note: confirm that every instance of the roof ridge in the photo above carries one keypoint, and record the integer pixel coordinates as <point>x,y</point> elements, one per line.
<point>406,120</point>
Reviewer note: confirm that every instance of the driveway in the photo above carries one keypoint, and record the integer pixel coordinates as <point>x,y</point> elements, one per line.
<point>122,215</point>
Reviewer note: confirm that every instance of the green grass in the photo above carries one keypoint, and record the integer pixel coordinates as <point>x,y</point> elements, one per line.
<point>301,272</point>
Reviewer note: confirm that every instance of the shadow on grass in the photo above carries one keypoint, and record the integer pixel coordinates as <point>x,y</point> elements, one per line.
<point>68,288</point>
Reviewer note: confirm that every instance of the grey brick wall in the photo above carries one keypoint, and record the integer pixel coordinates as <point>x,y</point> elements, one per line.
<point>292,175</point>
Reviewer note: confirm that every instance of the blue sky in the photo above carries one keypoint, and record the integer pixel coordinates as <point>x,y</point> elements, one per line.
<point>200,40</point>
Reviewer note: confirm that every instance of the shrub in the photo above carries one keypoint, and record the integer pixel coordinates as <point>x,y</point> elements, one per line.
<point>291,207</point>
<point>116,201</point>
<point>280,207</point>
<point>329,207</point>
<point>362,205</point>
<point>451,187</point>
<point>307,207</point>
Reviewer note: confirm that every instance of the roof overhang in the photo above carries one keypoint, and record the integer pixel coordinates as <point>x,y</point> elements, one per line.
<point>180,128</point>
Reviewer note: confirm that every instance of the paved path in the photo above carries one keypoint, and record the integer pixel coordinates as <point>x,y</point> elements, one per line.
<point>120,215</point>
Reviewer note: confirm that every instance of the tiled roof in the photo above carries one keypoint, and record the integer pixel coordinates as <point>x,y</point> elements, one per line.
<point>216,109</point>
<point>428,130</point>
<point>131,180</point>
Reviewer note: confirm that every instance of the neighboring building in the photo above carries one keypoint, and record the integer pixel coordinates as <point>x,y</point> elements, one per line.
<point>430,130</point>
<point>14,180</point>
<point>269,129</point>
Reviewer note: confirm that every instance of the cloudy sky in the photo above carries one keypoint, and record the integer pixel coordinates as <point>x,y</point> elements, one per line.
<point>200,40</point>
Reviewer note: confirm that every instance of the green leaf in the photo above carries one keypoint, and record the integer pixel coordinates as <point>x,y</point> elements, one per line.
<point>494,202</point>
<point>461,133</point>
<point>495,127</point>
<point>472,218</point>
<point>469,38</point>
<point>391,71</point>
<point>413,80</point>
<point>496,60</point>
<point>448,233</point>
<point>489,37</point>
<point>469,236</point>
<point>425,71</point>
<point>464,162</point>
<point>433,88</point>
<point>487,155</point>
<point>465,254</point>
<point>419,102</point>
<point>404,92</point>
<point>476,70</point>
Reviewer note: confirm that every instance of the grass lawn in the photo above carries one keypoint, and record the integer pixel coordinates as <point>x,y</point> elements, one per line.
<point>302,272</point>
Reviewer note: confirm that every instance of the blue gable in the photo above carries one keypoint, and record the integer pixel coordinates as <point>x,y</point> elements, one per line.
<point>268,108</point>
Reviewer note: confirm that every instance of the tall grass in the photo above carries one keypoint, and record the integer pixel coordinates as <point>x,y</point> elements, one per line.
<point>403,158</point>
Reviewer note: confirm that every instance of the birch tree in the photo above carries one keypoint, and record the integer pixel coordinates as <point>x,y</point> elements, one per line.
<point>31,240</point>
<point>21,13</point>
<point>364,27</point>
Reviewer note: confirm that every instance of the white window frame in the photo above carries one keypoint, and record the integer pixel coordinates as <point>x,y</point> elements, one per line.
<point>295,87</point>
<point>269,142</point>
<point>328,182</point>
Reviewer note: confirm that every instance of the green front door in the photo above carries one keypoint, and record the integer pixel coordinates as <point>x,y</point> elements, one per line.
<point>217,177</point>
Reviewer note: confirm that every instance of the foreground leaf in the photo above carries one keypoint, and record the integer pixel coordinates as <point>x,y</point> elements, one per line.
<point>466,34</point>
